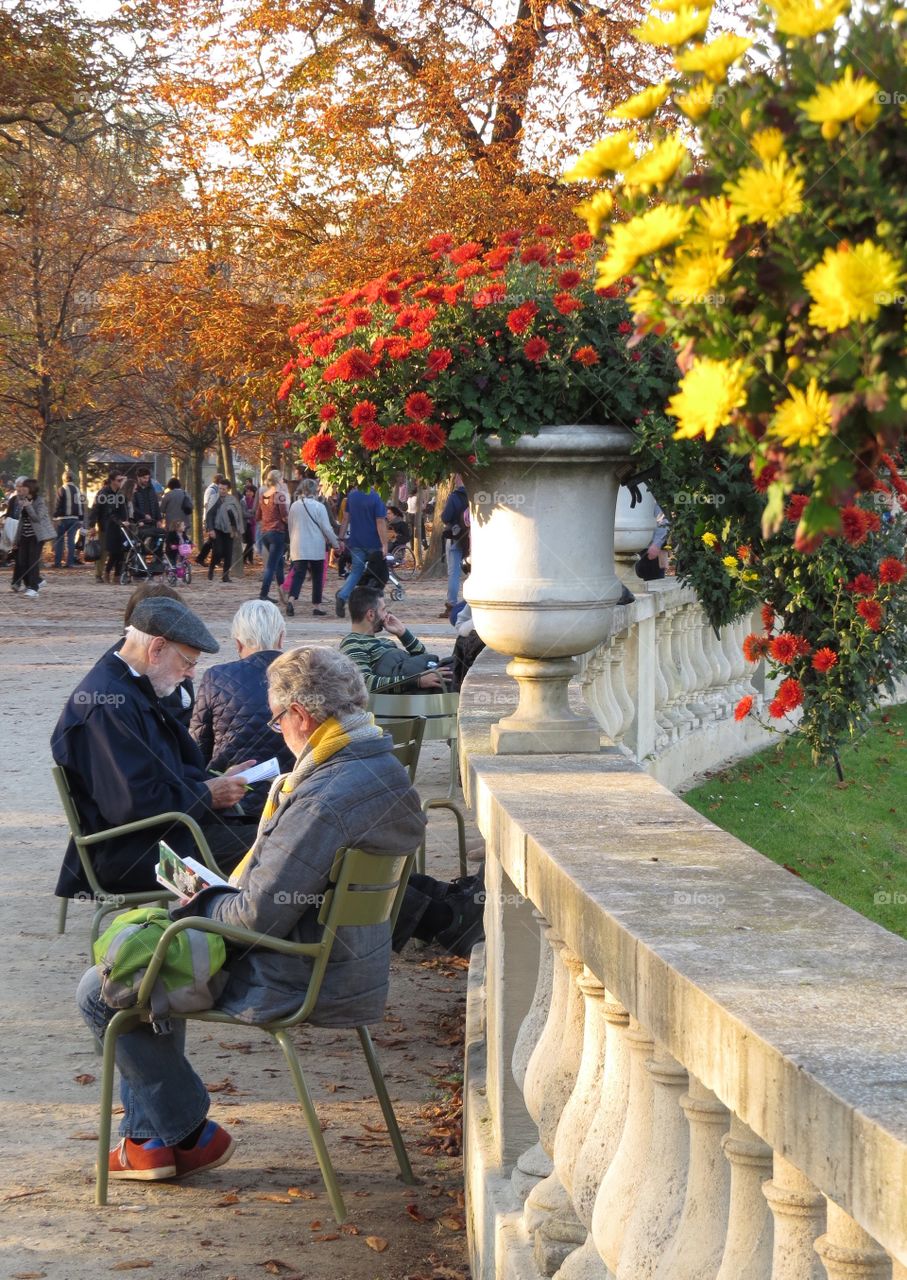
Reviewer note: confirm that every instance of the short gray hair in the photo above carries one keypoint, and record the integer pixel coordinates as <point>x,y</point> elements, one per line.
<point>322,680</point>
<point>309,487</point>
<point>258,624</point>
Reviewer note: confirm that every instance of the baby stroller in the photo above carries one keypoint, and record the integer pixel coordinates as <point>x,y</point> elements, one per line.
<point>379,575</point>
<point>144,555</point>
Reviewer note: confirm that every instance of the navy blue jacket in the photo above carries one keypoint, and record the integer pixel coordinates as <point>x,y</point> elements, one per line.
<point>230,721</point>
<point>453,514</point>
<point>126,758</point>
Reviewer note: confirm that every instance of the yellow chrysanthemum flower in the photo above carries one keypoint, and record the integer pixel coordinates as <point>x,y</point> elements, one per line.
<point>694,278</point>
<point>767,144</point>
<point>767,195</point>
<point>714,224</point>
<point>630,241</point>
<point>608,155</point>
<point>851,285</point>
<point>686,23</point>
<point>714,58</point>
<point>710,539</point>
<point>729,562</point>
<point>596,210</point>
<point>850,98</point>
<point>804,419</point>
<point>806,17</point>
<point>697,102</point>
<point>655,166</point>
<point>750,576</point>
<point>642,105</point>
<point>709,393</point>
<point>643,302</point>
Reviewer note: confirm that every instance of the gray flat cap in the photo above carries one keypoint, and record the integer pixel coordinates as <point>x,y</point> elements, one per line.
<point>160,616</point>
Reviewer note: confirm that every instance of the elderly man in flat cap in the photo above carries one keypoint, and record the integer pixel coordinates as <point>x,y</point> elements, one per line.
<point>127,758</point>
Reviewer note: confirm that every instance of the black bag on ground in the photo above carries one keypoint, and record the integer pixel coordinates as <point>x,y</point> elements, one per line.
<point>648,570</point>
<point>92,550</point>
<point>405,667</point>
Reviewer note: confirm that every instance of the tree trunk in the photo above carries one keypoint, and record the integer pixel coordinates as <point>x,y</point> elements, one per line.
<point>194,483</point>
<point>177,468</point>
<point>225,453</point>
<point>434,566</point>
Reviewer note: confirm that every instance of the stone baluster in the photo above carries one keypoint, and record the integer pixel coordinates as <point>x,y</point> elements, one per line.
<point>619,686</point>
<point>681,628</point>
<point>848,1252</point>
<point>601,1140</point>
<point>550,1074</point>
<point>668,644</point>
<point>698,1246</point>
<point>533,1024</point>
<point>743,628</point>
<point>714,696</point>
<point>696,623</point>
<point>732,642</point>
<point>598,689</point>
<point>799,1213</point>
<point>724,663</point>
<point>620,1185</point>
<point>659,1202</point>
<point>549,1207</point>
<point>666,725</point>
<point>748,1248</point>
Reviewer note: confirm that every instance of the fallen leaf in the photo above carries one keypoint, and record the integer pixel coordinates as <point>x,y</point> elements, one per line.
<point>230,1198</point>
<point>85,1078</point>
<point>451,1223</point>
<point>275,1266</point>
<point>415,1213</point>
<point>83,1137</point>
<point>378,1243</point>
<point>348,1229</point>
<point>133,1264</point>
<point>333,1235</point>
<point>221,1086</point>
<point>29,1275</point>
<point>301,1193</point>
<point>273,1197</point>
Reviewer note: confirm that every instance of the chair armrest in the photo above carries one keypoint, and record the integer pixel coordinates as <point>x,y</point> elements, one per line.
<point>228,931</point>
<point>194,830</point>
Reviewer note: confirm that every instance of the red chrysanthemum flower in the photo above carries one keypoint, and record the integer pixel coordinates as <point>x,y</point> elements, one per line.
<point>465,252</point>
<point>396,435</point>
<point>582,241</point>
<point>892,570</point>
<point>768,617</point>
<point>499,257</point>
<point>586,356</point>
<point>535,349</point>
<point>488,296</point>
<point>871,613</point>
<point>420,340</point>
<point>364,413</point>
<point>744,553</point>
<point>534,253</point>
<point>755,648</point>
<point>864,584</point>
<point>468,270</point>
<point>824,659</point>
<point>305,362</point>
<point>854,525</point>
<point>743,708</point>
<point>285,388</point>
<point>566,303</point>
<point>802,647</point>
<point>352,365</point>
<point>419,406</point>
<point>453,293</point>
<point>391,298</point>
<point>320,448</point>
<point>789,694</point>
<point>431,293</point>
<point>795,507</point>
<point>438,360</point>
<point>372,436</point>
<point>519,320</point>
<point>765,476</point>
<point>565,255</point>
<point>625,327</point>
<point>569,279</point>
<point>777,709</point>
<point>323,345</point>
<point>288,368</point>
<point>546,229</point>
<point>873,521</point>
<point>347,299</point>
<point>327,412</point>
<point>433,437</point>
<point>360,316</point>
<point>440,243</point>
<point>397,348</point>
<point>783,648</point>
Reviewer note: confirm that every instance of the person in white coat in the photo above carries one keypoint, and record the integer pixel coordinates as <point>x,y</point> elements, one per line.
<point>310,532</point>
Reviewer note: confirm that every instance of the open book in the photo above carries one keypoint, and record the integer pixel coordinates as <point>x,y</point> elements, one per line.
<point>260,772</point>
<point>184,876</point>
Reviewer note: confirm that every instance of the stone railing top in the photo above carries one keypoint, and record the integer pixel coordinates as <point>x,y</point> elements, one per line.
<point>790,1006</point>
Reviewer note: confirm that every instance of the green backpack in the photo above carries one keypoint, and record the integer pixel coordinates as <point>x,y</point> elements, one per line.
<point>190,978</point>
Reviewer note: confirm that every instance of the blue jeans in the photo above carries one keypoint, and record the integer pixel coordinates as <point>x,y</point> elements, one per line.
<point>357,569</point>
<point>162,1096</point>
<point>66,529</point>
<point>454,572</point>
<point>274,543</point>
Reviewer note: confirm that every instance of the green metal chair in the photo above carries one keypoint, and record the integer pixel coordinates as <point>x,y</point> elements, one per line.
<point>363,889</point>
<point>407,739</point>
<point>107,900</point>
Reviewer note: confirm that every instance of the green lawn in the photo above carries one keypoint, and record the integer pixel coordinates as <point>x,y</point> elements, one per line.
<point>847,838</point>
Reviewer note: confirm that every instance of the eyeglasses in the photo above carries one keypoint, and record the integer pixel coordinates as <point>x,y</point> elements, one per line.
<point>188,663</point>
<point>274,722</point>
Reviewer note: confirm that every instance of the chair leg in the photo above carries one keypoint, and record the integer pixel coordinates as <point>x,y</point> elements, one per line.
<point>387,1108</point>
<point>454,808</point>
<point>313,1126</point>
<point>61,915</point>
<point>108,1068</point>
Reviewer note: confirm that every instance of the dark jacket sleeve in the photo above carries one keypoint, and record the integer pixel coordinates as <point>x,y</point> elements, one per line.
<point>202,725</point>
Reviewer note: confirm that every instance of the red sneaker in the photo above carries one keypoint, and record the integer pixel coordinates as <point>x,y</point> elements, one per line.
<point>214,1147</point>
<point>141,1161</point>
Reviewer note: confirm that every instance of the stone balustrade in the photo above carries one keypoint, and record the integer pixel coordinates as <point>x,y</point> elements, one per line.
<point>664,685</point>
<point>682,1062</point>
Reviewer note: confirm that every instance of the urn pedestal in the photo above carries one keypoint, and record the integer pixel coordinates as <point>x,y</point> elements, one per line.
<point>543,583</point>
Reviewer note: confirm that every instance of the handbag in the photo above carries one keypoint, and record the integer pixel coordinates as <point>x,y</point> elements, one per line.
<point>648,570</point>
<point>92,550</point>
<point>8,534</point>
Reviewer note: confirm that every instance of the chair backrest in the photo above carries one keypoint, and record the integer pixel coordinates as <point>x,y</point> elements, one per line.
<point>407,738</point>
<point>363,889</point>
<point>439,710</point>
<point>75,827</point>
